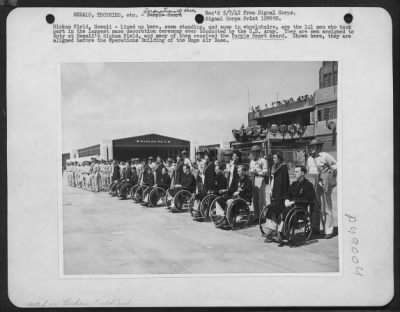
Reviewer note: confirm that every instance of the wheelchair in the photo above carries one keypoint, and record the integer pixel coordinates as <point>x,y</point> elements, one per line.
<point>133,190</point>
<point>139,192</point>
<point>235,215</point>
<point>154,196</point>
<point>296,228</point>
<point>180,201</point>
<point>203,211</point>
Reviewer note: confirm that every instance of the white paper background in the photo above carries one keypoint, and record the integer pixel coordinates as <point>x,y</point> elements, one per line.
<point>366,159</point>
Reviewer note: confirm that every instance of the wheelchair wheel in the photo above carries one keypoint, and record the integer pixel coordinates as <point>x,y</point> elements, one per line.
<point>139,193</point>
<point>191,205</point>
<point>168,198</point>
<point>298,226</point>
<point>264,215</point>
<point>133,190</point>
<point>181,200</point>
<point>213,213</point>
<point>205,206</point>
<point>238,214</point>
<point>157,194</point>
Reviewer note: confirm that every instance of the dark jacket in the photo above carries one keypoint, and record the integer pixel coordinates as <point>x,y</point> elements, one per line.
<point>232,187</point>
<point>116,174</point>
<point>246,189</point>
<point>281,186</point>
<point>134,179</point>
<point>221,182</point>
<point>158,173</point>
<point>301,191</point>
<point>148,176</point>
<point>189,182</point>
<point>165,181</point>
<point>178,173</point>
<point>209,177</point>
<point>127,173</point>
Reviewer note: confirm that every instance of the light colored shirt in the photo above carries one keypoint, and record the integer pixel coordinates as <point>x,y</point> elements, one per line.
<point>324,162</point>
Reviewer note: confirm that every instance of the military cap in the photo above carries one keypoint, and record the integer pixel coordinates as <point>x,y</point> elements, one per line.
<point>255,148</point>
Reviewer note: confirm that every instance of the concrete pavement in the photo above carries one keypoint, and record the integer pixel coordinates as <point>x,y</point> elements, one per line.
<point>105,235</point>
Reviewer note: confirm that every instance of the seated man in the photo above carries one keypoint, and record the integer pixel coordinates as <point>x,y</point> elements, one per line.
<point>301,194</point>
<point>130,179</point>
<point>188,182</point>
<point>244,191</point>
<point>163,182</point>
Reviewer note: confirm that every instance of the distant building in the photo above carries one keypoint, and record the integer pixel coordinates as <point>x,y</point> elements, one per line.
<point>141,146</point>
<point>65,157</point>
<point>149,145</point>
<point>317,113</point>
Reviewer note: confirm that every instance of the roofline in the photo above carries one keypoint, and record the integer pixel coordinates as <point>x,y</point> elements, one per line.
<point>157,134</point>
<point>284,112</point>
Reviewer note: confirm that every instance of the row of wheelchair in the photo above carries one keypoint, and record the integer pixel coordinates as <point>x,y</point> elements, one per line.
<point>227,212</point>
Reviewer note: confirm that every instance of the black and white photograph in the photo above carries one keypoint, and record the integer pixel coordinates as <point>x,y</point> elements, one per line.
<point>207,167</point>
<point>194,156</point>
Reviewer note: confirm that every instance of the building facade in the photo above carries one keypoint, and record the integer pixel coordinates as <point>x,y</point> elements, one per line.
<point>126,148</point>
<point>289,125</point>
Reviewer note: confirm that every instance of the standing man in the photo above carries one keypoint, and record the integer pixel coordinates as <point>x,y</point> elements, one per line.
<point>178,172</point>
<point>323,171</point>
<point>168,166</point>
<point>279,190</point>
<point>91,174</point>
<point>96,176</point>
<point>233,173</point>
<point>148,175</point>
<point>158,170</point>
<point>258,172</point>
<point>186,160</point>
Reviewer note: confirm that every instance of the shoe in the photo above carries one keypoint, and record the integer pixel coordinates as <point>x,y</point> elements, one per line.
<point>328,236</point>
<point>196,214</point>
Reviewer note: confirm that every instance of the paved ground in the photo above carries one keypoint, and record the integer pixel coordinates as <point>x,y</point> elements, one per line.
<point>104,235</point>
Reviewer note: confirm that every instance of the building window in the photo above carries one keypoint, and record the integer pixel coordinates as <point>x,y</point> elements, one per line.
<point>332,113</point>
<point>326,80</point>
<point>326,114</point>
<point>319,115</point>
<point>335,78</point>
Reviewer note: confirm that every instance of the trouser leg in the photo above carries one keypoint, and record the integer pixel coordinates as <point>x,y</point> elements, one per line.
<point>328,213</point>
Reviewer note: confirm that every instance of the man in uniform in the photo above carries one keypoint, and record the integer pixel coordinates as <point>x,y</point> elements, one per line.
<point>168,166</point>
<point>259,172</point>
<point>96,176</point>
<point>159,165</point>
<point>323,170</point>
<point>186,160</point>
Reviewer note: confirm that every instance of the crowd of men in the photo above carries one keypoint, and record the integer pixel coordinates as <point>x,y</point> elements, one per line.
<point>314,181</point>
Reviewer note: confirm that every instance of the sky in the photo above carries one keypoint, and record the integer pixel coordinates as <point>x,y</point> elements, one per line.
<point>197,101</point>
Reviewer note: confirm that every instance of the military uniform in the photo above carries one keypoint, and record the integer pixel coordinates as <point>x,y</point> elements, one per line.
<point>322,170</point>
